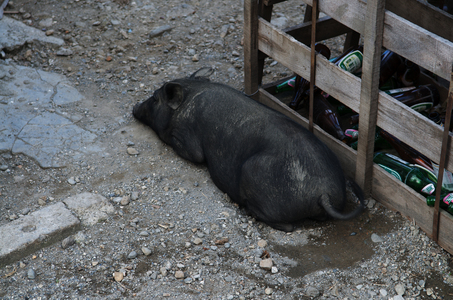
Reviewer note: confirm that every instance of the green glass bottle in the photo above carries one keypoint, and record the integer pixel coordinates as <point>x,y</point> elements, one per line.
<point>445,202</point>
<point>288,85</point>
<point>403,171</point>
<point>379,142</point>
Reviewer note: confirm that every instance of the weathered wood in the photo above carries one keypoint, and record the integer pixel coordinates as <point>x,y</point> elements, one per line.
<point>326,28</point>
<point>272,2</point>
<point>418,12</point>
<point>393,116</point>
<point>444,156</point>
<point>401,36</point>
<point>352,39</point>
<point>369,93</point>
<point>314,18</point>
<point>252,78</point>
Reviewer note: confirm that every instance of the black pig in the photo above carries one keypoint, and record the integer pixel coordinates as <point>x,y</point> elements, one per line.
<point>275,168</point>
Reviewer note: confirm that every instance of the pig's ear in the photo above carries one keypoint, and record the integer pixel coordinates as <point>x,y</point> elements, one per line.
<point>174,94</point>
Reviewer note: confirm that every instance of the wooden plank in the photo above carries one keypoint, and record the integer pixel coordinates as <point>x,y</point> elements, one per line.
<point>426,49</point>
<point>345,154</point>
<point>272,2</point>
<point>326,28</point>
<point>393,116</point>
<point>423,15</point>
<point>252,77</point>
<point>369,93</point>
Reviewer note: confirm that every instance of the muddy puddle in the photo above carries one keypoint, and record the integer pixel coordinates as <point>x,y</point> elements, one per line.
<point>341,244</point>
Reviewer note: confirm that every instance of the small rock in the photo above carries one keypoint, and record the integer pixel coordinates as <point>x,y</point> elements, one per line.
<point>3,167</point>
<point>97,23</point>
<point>400,289</point>
<point>50,32</point>
<point>268,291</point>
<point>132,255</point>
<point>179,275</point>
<point>262,243</point>
<point>68,242</point>
<point>45,23</point>
<point>26,16</point>
<point>41,202</point>
<point>125,200</point>
<point>31,274</point>
<point>134,196</point>
<point>235,53</point>
<point>64,52</point>
<point>398,297</point>
<point>266,264</point>
<point>155,70</point>
<point>144,233</point>
<point>371,203</point>
<point>115,22</point>
<point>25,211</point>
<point>383,292</point>
<point>117,199</point>
<point>197,241</point>
<point>195,58</point>
<point>159,30</point>
<point>188,280</point>
<point>376,238</point>
<point>312,292</point>
<point>72,181</point>
<point>118,276</point>
<point>163,271</point>
<point>146,251</point>
<point>132,151</point>
<point>274,270</point>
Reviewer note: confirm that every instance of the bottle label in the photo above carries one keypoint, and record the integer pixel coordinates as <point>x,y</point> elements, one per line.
<point>429,189</point>
<point>396,158</point>
<point>447,181</point>
<point>352,133</point>
<point>448,199</point>
<point>392,172</point>
<point>422,106</point>
<point>428,174</point>
<point>400,90</point>
<point>351,62</point>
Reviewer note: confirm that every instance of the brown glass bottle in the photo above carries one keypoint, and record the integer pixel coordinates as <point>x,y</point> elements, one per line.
<point>390,62</point>
<point>408,73</point>
<point>324,115</point>
<point>302,87</point>
<point>406,152</point>
<point>420,99</point>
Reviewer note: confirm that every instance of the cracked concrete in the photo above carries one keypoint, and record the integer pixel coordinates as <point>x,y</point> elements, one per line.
<point>31,122</point>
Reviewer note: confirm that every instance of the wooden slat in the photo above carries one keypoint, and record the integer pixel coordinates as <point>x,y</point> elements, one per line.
<point>423,15</point>
<point>369,93</point>
<point>393,116</point>
<point>401,36</point>
<point>252,77</point>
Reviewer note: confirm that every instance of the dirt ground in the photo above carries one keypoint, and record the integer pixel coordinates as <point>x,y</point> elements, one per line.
<point>187,223</point>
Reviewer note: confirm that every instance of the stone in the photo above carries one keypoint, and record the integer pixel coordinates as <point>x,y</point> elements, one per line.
<point>132,255</point>
<point>90,207</point>
<point>132,151</point>
<point>376,238</point>
<point>36,230</point>
<point>268,291</point>
<point>146,251</point>
<point>311,291</point>
<point>195,58</point>
<point>45,23</point>
<point>266,264</point>
<point>144,233</point>
<point>118,276</point>
<point>135,196</point>
<point>383,292</point>
<point>71,181</point>
<point>159,30</point>
<point>400,289</point>
<point>64,52</point>
<point>163,271</point>
<point>68,242</point>
<point>125,200</point>
<point>179,275</point>
<point>31,274</point>
<point>262,243</point>
<point>197,241</point>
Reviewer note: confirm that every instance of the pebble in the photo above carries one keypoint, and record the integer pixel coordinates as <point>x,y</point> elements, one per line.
<point>31,274</point>
<point>97,23</point>
<point>64,52</point>
<point>45,23</point>
<point>146,251</point>
<point>195,58</point>
<point>179,274</point>
<point>163,271</point>
<point>155,70</point>
<point>399,288</point>
<point>268,291</point>
<point>118,276</point>
<point>144,233</point>
<point>266,264</point>
<point>3,167</point>
<point>68,242</point>
<point>311,291</point>
<point>50,32</point>
<point>25,211</point>
<point>125,200</point>
<point>132,151</point>
<point>71,181</point>
<point>134,196</point>
<point>41,202</point>
<point>262,243</point>
<point>132,255</point>
<point>274,270</point>
<point>376,238</point>
<point>383,292</point>
<point>159,30</point>
<point>188,280</point>
<point>197,241</point>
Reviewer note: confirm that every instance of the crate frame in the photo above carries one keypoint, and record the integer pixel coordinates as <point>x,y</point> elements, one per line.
<point>410,28</point>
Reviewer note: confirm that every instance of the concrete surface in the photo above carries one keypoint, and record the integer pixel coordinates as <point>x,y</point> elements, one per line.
<point>41,228</point>
<point>91,208</point>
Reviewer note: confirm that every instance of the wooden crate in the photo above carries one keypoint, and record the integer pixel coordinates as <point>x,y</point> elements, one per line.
<point>409,28</point>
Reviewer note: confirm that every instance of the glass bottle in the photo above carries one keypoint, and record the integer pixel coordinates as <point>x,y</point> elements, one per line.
<point>351,60</point>
<point>445,202</point>
<point>408,73</point>
<point>420,99</point>
<point>406,173</point>
<point>324,115</point>
<point>288,85</point>
<point>390,61</point>
<point>406,152</point>
<point>379,142</point>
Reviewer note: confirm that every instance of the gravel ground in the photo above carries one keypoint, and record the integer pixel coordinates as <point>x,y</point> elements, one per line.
<point>175,235</point>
